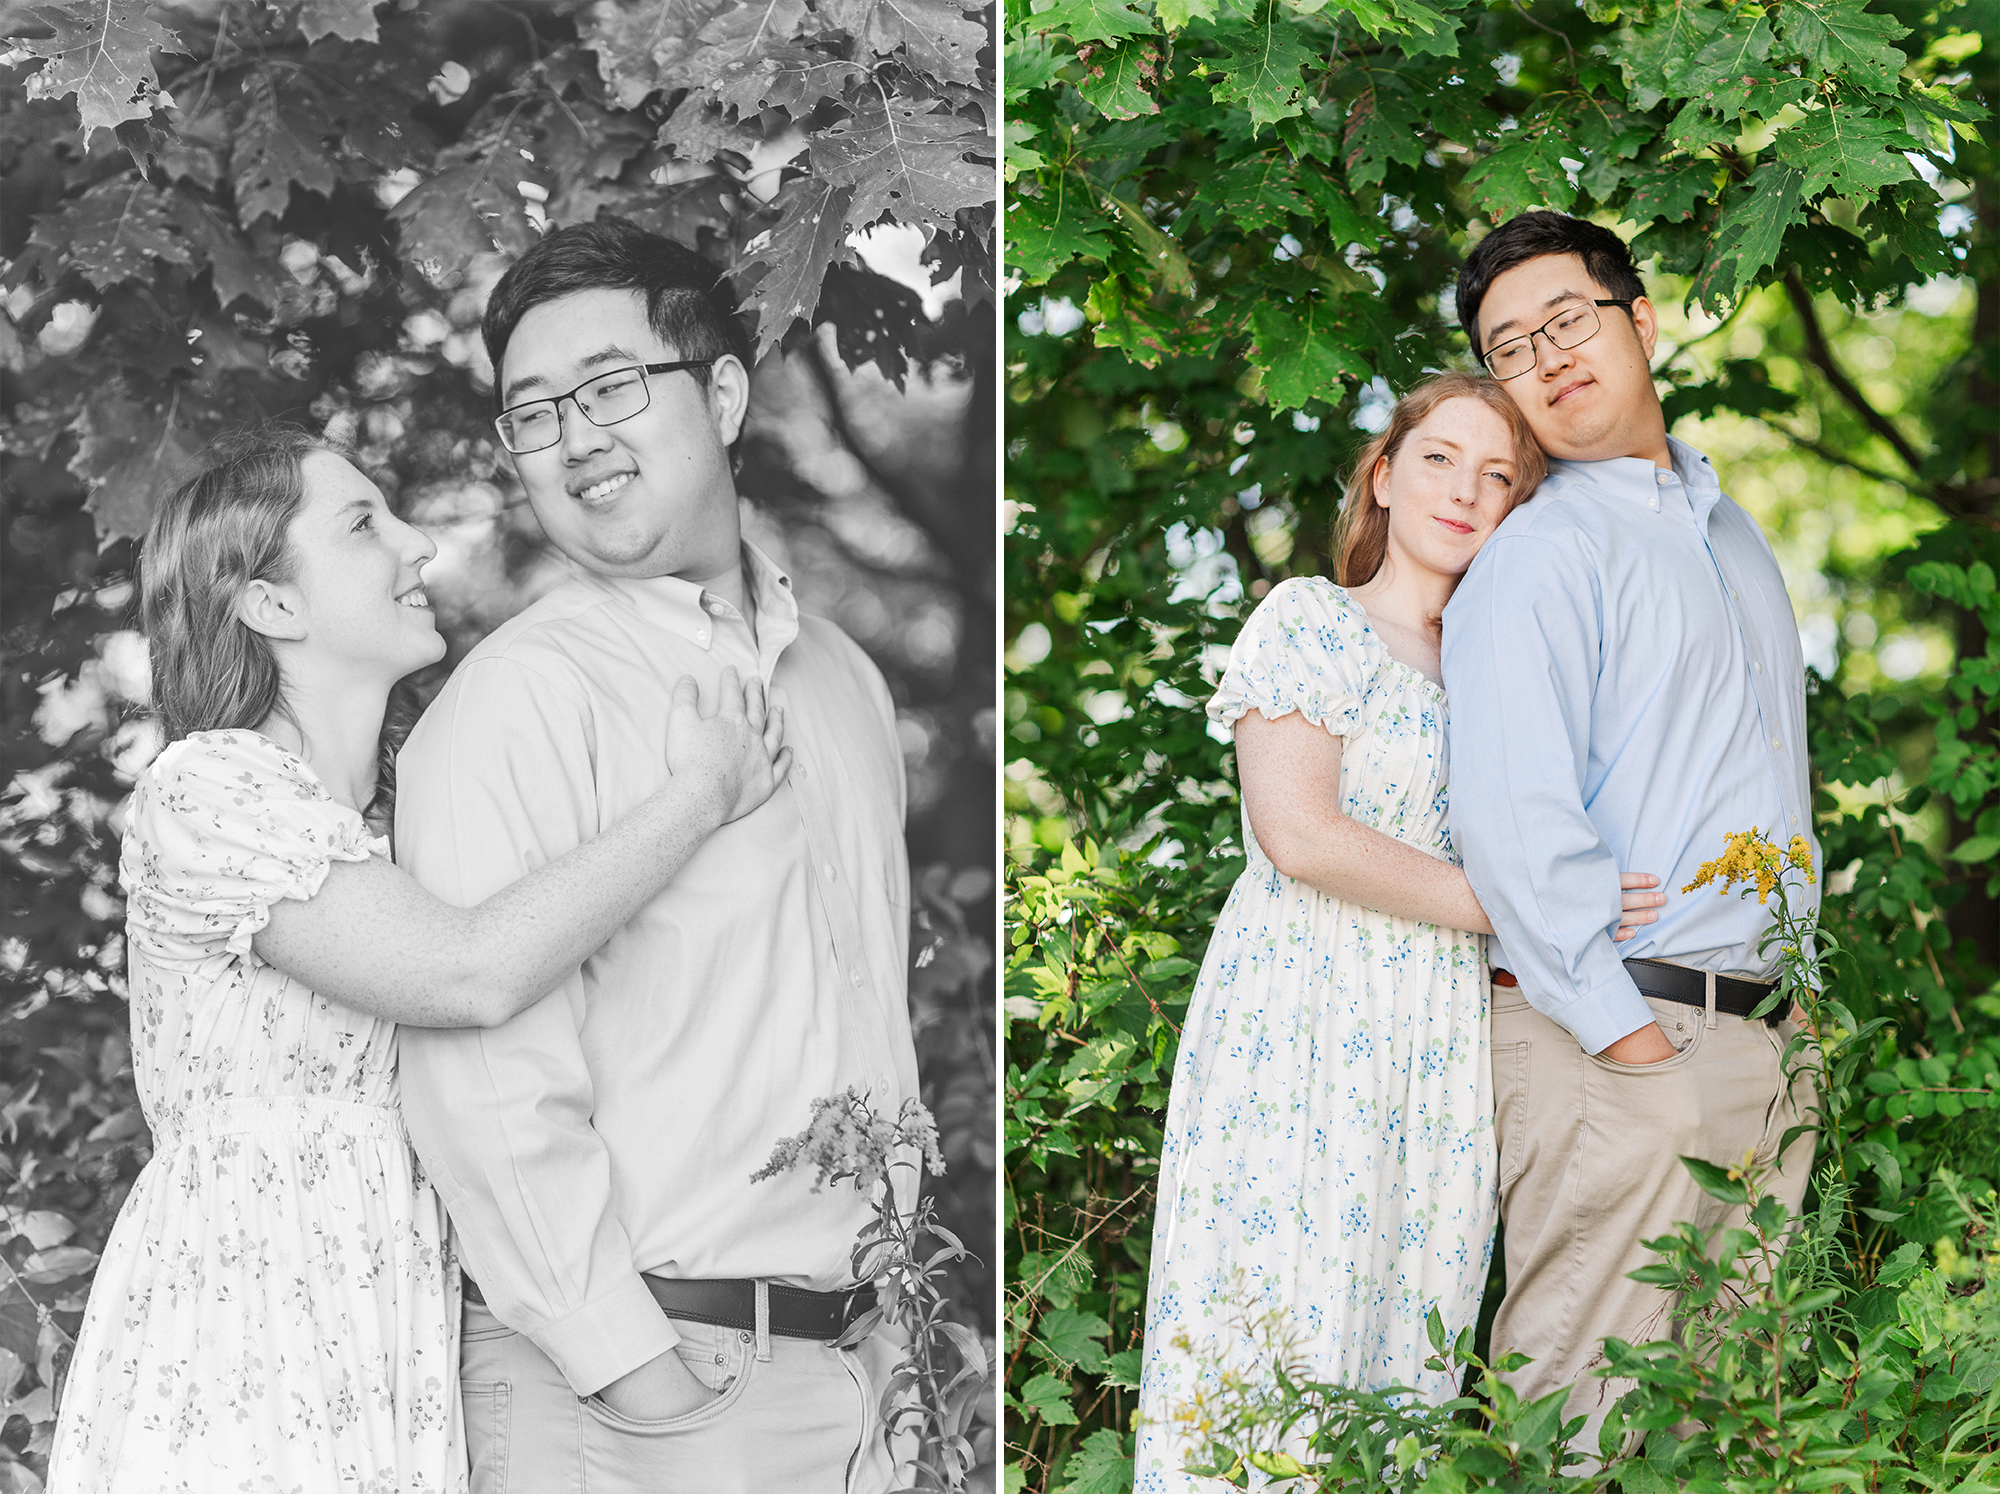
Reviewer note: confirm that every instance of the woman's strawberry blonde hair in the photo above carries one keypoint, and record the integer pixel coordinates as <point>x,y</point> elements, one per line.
<point>1361,534</point>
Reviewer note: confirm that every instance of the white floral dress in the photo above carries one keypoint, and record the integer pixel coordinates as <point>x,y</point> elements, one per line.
<point>1329,1145</point>
<point>275,1309</point>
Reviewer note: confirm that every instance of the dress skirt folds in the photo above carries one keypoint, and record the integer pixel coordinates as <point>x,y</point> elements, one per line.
<point>1327,1177</point>
<point>275,1309</point>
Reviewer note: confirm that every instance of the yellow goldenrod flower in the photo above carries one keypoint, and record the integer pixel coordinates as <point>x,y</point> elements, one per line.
<point>1749,858</point>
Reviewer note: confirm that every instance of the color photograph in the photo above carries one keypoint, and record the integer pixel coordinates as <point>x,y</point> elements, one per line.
<point>1501,925</point>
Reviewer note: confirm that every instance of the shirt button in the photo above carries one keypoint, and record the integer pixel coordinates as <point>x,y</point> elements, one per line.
<point>855,979</point>
<point>832,873</point>
<point>701,635</point>
<point>1795,819</point>
<point>1758,665</point>
<point>1733,596</point>
<point>1777,744</point>
<point>1652,503</point>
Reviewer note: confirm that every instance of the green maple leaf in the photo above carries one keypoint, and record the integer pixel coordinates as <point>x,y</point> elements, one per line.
<point>808,240</point>
<point>1655,56</point>
<point>905,159</point>
<point>1045,233</point>
<point>1383,125</point>
<point>1442,41</point>
<point>1303,350</point>
<point>1760,94</point>
<point>1262,192</point>
<point>792,77</point>
<point>1733,52</point>
<point>1031,64</point>
<point>1020,156</point>
<point>1839,38</point>
<point>938,37</point>
<point>1907,218</point>
<point>1345,223</point>
<point>351,20</point>
<point>1847,152</point>
<point>102,52</point>
<point>1522,174</point>
<point>130,456</point>
<point>114,232</point>
<point>1175,14</point>
<point>1119,81</point>
<point>1754,218</point>
<point>1091,20</point>
<point>279,142</point>
<point>1260,67</point>
<point>1670,191</point>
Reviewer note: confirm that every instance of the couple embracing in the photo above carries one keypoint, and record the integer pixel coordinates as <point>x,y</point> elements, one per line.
<point>1349,1113</point>
<point>649,900</point>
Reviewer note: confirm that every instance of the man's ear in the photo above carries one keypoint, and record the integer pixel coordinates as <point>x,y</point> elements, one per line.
<point>728,396</point>
<point>1647,324</point>
<point>1378,480</point>
<point>273,609</point>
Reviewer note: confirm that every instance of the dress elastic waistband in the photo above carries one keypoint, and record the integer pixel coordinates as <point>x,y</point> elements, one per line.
<point>266,1114</point>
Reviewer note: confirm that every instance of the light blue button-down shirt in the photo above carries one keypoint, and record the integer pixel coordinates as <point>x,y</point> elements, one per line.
<point>1626,688</point>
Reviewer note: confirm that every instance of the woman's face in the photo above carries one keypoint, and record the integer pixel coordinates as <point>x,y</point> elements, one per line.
<point>1448,486</point>
<point>360,594</point>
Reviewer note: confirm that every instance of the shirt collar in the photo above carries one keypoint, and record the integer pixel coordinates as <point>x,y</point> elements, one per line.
<point>683,607</point>
<point>1638,480</point>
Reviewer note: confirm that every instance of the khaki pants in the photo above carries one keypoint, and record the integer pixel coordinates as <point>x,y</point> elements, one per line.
<point>1590,1166</point>
<point>802,1421</point>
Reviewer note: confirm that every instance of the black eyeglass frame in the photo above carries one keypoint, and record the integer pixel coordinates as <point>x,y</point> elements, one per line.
<point>1486,358</point>
<point>645,370</point>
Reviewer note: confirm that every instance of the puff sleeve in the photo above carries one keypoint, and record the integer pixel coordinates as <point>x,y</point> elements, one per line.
<point>223,825</point>
<point>1306,648</point>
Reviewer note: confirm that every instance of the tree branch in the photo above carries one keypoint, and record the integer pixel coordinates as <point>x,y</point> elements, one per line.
<point>1821,356</point>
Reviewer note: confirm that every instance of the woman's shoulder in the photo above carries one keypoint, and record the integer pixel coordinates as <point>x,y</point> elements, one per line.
<point>1313,611</point>
<point>234,765</point>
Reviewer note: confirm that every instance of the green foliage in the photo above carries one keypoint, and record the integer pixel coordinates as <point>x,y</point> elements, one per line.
<point>224,209</point>
<point>1778,1380</point>
<point>1217,286</point>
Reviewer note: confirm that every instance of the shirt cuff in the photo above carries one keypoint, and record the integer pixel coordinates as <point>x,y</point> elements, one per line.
<point>1599,1018</point>
<point>607,1337</point>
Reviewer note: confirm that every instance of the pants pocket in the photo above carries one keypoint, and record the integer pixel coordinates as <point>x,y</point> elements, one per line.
<point>488,1423</point>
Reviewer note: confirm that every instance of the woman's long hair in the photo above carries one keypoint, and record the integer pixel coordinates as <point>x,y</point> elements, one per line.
<point>221,529</point>
<point>1361,535</point>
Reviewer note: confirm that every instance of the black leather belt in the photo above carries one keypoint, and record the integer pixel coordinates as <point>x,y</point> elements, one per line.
<point>795,1312</point>
<point>1689,987</point>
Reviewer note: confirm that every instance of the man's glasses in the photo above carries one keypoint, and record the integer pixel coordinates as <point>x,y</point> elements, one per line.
<point>1571,327</point>
<point>604,399</point>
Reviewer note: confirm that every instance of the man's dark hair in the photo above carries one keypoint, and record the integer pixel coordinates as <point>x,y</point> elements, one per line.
<point>687,300</point>
<point>1532,235</point>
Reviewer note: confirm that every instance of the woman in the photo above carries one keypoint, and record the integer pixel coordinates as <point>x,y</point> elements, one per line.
<point>276,1307</point>
<point>1329,1152</point>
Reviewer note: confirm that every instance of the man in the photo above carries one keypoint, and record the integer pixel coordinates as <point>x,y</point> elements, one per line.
<point>640,1315</point>
<point>1626,688</point>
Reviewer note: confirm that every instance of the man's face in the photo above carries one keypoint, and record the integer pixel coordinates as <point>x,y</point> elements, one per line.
<point>1589,402</point>
<point>651,495</point>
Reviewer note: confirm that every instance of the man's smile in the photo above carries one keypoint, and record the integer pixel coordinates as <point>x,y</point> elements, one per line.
<point>601,489</point>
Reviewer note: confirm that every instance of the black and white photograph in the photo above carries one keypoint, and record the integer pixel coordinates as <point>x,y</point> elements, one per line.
<point>498,830</point>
